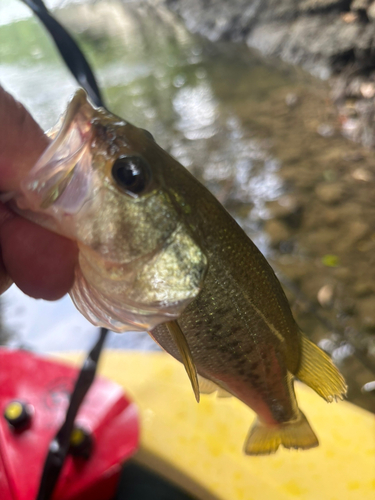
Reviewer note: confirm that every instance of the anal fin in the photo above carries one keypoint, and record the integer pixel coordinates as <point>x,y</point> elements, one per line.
<point>264,439</point>
<point>206,386</point>
<point>187,358</point>
<point>222,393</point>
<point>318,372</point>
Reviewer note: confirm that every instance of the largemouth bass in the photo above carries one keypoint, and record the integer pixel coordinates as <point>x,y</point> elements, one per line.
<point>157,251</point>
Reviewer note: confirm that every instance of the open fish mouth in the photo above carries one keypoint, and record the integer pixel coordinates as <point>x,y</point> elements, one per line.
<point>60,181</point>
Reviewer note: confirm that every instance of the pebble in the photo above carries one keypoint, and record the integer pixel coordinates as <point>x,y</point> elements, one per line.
<point>371,12</point>
<point>325,130</point>
<point>348,307</point>
<point>342,352</point>
<point>329,193</point>
<point>291,99</point>
<point>285,207</point>
<point>277,231</point>
<point>362,289</point>
<point>359,4</point>
<point>366,307</point>
<point>349,17</point>
<point>361,174</point>
<point>369,387</point>
<point>331,217</point>
<point>367,90</point>
<point>295,270</point>
<point>356,231</point>
<point>325,296</point>
<point>342,273</point>
<point>352,157</point>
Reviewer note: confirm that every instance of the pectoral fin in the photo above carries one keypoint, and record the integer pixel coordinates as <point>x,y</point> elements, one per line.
<point>206,386</point>
<point>187,358</point>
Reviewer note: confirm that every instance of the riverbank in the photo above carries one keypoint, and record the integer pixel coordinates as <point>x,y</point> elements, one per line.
<point>332,39</point>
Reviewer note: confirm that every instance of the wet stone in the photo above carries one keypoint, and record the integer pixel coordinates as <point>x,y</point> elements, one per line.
<point>277,231</point>
<point>347,307</point>
<point>342,273</point>
<point>295,270</point>
<point>291,100</point>
<point>357,231</point>
<point>361,174</point>
<point>322,238</point>
<point>311,5</point>
<point>325,296</point>
<point>325,130</point>
<point>353,157</point>
<point>287,208</point>
<point>330,193</point>
<point>363,289</point>
<point>331,217</point>
<point>360,4</point>
<point>371,12</point>
<point>366,308</point>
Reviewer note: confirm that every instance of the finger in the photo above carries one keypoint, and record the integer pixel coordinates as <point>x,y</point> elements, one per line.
<point>22,142</point>
<point>5,279</point>
<point>40,263</point>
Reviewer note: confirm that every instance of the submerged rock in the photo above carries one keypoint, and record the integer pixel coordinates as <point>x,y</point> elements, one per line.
<point>307,32</point>
<point>329,193</point>
<point>277,232</point>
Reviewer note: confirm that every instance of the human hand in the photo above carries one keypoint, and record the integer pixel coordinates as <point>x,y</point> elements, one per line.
<point>39,262</point>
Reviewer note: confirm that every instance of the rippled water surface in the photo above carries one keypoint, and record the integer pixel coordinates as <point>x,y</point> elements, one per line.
<point>262,136</point>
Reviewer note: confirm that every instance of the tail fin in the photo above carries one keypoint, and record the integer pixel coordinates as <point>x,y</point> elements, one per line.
<point>264,440</point>
<point>318,372</point>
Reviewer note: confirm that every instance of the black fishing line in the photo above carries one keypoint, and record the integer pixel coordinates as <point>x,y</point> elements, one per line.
<point>69,50</point>
<point>59,446</point>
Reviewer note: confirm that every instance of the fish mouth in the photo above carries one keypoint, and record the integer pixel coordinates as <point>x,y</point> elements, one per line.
<point>60,181</point>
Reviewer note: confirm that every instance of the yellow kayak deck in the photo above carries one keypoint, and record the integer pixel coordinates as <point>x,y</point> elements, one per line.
<point>199,446</point>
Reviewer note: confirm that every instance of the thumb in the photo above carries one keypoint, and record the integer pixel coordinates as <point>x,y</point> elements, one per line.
<point>41,263</point>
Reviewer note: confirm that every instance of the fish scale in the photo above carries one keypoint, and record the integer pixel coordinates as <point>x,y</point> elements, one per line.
<point>238,340</point>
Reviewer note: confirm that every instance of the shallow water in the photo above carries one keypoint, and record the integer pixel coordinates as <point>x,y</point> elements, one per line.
<point>261,135</point>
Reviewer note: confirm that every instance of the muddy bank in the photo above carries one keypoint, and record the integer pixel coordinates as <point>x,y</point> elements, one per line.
<point>332,39</point>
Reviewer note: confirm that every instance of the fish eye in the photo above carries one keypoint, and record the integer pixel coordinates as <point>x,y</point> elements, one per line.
<point>132,173</point>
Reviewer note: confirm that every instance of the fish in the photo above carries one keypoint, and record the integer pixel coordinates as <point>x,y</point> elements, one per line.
<point>158,252</point>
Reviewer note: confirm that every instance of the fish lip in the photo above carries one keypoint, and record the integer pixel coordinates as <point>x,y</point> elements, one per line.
<point>64,166</point>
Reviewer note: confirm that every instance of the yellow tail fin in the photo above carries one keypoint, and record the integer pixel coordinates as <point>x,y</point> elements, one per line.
<point>264,440</point>
<point>318,372</point>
